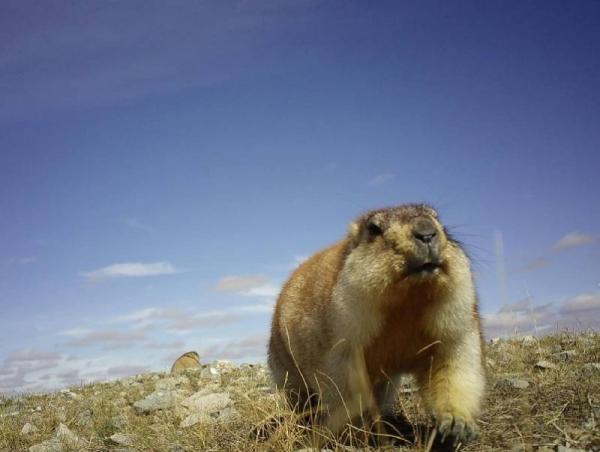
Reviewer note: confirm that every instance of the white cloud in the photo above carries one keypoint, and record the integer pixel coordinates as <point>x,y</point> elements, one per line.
<point>110,339</point>
<point>266,290</point>
<point>179,321</point>
<point>521,305</point>
<point>126,370</point>
<point>75,332</point>
<point>18,365</point>
<point>577,313</point>
<point>381,179</point>
<point>131,269</point>
<point>572,240</point>
<point>249,286</point>
<point>581,304</point>
<point>250,348</point>
<point>237,284</point>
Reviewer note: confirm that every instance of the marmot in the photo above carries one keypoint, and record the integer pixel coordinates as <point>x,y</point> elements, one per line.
<point>395,296</point>
<point>189,360</point>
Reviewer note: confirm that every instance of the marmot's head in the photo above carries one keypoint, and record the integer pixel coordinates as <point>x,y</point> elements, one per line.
<point>193,355</point>
<point>404,243</point>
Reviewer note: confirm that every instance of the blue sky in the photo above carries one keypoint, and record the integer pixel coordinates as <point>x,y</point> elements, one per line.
<point>163,169</point>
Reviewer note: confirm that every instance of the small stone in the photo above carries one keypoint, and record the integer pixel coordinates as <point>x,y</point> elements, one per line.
<point>51,445</point>
<point>63,433</point>
<point>210,372</point>
<point>122,439</point>
<point>119,422</point>
<point>568,449</point>
<point>84,418</point>
<point>158,400</point>
<point>511,382</point>
<point>194,419</point>
<point>545,365</point>
<point>591,368</point>
<point>566,355</point>
<point>171,383</point>
<point>28,429</point>
<point>590,424</point>
<point>528,340</point>
<point>207,403</point>
<point>69,394</point>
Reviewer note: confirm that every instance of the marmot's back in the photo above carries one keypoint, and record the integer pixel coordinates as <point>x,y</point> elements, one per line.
<point>308,290</point>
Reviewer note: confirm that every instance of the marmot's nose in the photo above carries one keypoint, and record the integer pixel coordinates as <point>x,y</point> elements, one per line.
<point>424,230</point>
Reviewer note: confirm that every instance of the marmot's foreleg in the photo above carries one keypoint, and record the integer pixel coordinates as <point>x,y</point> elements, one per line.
<point>452,388</point>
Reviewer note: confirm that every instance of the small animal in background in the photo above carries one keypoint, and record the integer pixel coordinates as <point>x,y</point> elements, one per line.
<point>189,360</point>
<point>395,296</point>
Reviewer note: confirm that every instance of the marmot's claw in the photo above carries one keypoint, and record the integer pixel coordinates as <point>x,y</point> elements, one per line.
<point>457,428</point>
<point>445,425</point>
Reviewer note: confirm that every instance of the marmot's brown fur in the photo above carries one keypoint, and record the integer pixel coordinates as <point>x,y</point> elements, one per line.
<point>395,296</point>
<point>189,360</point>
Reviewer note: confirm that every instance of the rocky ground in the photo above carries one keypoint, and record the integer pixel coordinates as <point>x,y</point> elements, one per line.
<point>544,395</point>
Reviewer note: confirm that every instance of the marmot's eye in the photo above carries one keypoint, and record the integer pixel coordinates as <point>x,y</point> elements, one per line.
<point>373,229</point>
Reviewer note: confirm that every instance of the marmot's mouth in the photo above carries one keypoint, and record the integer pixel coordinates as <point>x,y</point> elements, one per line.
<point>426,269</point>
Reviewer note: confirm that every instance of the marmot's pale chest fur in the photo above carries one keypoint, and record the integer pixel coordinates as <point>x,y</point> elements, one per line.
<point>395,296</point>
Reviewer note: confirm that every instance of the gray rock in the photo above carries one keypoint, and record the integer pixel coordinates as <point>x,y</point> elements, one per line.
<point>528,340</point>
<point>223,366</point>
<point>211,373</point>
<point>62,436</point>
<point>512,382</point>
<point>123,439</point>
<point>207,407</point>
<point>568,449</point>
<point>207,402</point>
<point>28,429</point>
<point>590,424</point>
<point>591,368</point>
<point>63,433</point>
<point>545,365</point>
<point>84,418</point>
<point>169,383</point>
<point>566,355</point>
<point>158,400</point>
<point>69,394</point>
<point>51,445</point>
<point>119,422</point>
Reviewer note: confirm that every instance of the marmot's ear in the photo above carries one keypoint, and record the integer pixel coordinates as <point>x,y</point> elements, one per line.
<point>354,232</point>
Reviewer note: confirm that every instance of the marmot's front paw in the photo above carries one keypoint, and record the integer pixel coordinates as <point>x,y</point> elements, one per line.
<point>457,428</point>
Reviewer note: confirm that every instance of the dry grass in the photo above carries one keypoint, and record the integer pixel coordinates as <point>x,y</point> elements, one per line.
<point>561,406</point>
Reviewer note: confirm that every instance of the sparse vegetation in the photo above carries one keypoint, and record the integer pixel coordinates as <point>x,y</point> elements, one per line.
<point>542,393</point>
